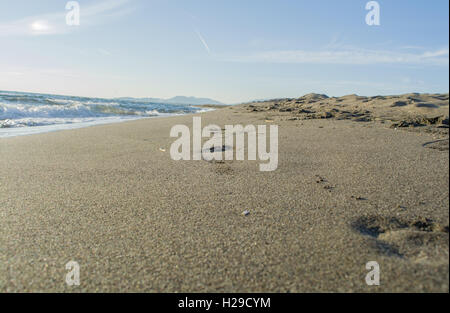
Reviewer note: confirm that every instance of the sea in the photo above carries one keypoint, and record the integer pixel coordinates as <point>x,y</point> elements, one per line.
<point>31,113</point>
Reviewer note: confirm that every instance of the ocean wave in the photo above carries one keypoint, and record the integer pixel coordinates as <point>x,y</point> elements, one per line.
<point>30,110</point>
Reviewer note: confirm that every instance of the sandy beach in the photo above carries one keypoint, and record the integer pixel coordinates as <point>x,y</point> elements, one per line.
<point>359,179</point>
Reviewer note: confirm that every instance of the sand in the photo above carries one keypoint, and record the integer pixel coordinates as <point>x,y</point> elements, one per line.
<point>350,188</point>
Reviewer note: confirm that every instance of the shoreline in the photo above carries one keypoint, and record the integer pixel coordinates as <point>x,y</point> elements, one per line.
<point>35,130</point>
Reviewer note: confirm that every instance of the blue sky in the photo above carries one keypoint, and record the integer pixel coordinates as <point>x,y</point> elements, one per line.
<point>229,50</point>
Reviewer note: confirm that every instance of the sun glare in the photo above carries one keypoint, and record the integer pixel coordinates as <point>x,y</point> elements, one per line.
<point>40,26</point>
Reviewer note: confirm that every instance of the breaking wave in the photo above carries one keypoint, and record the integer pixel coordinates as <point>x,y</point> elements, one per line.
<point>30,110</point>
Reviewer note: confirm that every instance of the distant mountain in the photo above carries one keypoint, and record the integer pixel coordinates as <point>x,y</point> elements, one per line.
<point>192,100</point>
<point>178,100</point>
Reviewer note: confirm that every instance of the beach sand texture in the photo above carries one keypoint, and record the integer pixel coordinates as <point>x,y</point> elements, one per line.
<point>359,179</point>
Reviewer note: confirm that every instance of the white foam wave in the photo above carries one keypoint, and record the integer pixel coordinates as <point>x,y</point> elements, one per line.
<point>25,113</point>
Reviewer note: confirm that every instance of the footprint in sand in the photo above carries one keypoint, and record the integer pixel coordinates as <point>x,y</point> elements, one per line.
<point>223,169</point>
<point>440,145</point>
<point>418,240</point>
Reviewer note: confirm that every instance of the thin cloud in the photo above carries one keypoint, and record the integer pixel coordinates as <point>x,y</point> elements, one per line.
<point>9,72</point>
<point>439,53</point>
<point>203,42</point>
<point>55,23</point>
<point>104,52</point>
<point>347,56</point>
<point>412,47</point>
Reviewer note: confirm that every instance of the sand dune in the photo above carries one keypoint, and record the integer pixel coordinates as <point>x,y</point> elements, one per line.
<point>429,111</point>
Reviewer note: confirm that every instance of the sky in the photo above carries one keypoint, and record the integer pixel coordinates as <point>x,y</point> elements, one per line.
<point>228,50</point>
